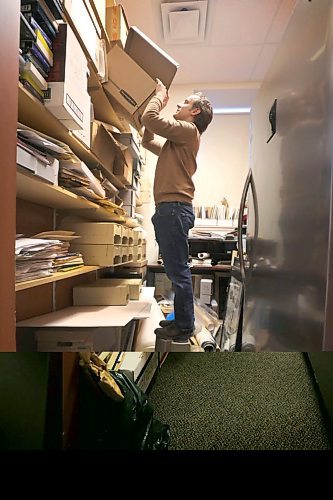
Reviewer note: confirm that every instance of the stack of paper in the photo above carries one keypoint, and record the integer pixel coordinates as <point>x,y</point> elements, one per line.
<point>42,255</point>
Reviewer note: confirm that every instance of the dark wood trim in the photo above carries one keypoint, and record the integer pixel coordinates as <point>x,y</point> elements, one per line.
<point>9,50</point>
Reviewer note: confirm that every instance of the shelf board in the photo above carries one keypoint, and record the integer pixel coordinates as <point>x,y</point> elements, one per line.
<point>55,277</point>
<point>34,114</point>
<point>29,187</point>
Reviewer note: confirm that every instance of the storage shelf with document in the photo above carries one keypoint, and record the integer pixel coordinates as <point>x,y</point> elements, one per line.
<point>31,188</point>
<point>55,277</point>
<point>216,223</point>
<point>34,114</point>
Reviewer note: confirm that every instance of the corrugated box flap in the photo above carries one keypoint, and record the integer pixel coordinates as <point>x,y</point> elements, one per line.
<point>150,57</point>
<point>128,83</point>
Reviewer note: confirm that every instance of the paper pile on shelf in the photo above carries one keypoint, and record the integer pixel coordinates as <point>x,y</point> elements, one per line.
<point>41,257</point>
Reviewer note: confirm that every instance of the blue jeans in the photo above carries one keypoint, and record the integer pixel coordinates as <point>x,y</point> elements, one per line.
<point>172,221</point>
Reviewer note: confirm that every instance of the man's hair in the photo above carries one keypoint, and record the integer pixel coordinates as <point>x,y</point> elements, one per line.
<point>202,119</point>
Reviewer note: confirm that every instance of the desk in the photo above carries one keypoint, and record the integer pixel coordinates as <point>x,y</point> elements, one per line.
<point>221,275</point>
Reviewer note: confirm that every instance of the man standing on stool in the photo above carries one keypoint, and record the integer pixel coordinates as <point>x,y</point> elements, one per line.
<point>173,195</point>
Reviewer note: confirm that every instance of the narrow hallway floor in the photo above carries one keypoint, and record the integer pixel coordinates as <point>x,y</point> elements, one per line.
<point>239,401</point>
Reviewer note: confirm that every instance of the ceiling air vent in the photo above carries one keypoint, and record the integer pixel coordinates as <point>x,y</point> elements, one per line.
<point>184,22</point>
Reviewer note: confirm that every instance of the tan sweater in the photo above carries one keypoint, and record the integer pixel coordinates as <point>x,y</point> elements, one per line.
<point>176,162</point>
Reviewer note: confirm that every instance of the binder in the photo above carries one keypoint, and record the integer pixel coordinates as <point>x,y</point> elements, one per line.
<point>34,9</point>
<point>35,26</point>
<point>31,47</point>
<point>29,57</point>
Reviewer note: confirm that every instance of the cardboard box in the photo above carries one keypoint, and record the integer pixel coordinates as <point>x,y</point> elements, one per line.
<point>123,171</point>
<point>67,95</point>
<point>103,109</point>
<point>128,140</point>
<point>27,160</point>
<point>103,145</point>
<point>100,294</point>
<point>144,61</point>
<point>150,57</point>
<point>112,338</point>
<point>116,25</point>
<point>86,28</point>
<point>99,255</point>
<point>137,237</point>
<point>137,253</point>
<point>127,236</point>
<point>134,285</point>
<point>99,233</point>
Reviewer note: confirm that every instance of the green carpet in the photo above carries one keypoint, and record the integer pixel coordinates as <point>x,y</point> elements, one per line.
<point>239,401</point>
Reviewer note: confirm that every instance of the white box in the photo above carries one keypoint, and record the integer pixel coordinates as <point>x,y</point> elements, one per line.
<point>29,161</point>
<point>134,362</point>
<point>85,339</point>
<point>148,373</point>
<point>68,80</point>
<point>49,172</point>
<point>205,299</point>
<point>85,27</point>
<point>84,135</point>
<point>206,286</point>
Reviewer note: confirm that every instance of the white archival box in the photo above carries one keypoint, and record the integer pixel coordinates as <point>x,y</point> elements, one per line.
<point>94,317</point>
<point>68,87</point>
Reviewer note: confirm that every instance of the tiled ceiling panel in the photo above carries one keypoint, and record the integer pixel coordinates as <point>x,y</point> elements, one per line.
<point>223,64</point>
<point>241,38</point>
<point>242,22</point>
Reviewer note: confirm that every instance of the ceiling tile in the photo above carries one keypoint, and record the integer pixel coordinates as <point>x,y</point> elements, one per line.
<point>240,22</point>
<point>281,21</point>
<point>264,61</point>
<point>221,64</point>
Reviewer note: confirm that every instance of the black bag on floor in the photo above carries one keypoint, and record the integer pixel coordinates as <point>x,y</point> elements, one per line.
<point>114,414</point>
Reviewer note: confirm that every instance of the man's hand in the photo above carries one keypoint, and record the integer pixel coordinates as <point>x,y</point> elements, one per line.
<point>161,92</point>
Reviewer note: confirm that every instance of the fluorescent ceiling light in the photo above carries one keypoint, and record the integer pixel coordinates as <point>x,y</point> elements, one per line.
<point>231,111</point>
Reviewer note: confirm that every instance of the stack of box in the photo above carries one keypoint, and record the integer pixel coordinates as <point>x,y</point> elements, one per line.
<point>100,243</point>
<point>104,243</point>
<point>206,290</point>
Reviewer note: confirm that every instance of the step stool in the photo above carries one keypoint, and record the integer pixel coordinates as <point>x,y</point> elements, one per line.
<point>162,345</point>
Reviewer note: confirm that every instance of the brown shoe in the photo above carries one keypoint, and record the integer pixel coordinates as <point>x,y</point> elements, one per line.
<point>171,332</point>
<point>166,322</point>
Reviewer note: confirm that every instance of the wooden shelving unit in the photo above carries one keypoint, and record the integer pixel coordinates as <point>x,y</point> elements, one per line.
<point>55,277</point>
<point>29,187</point>
<point>35,115</point>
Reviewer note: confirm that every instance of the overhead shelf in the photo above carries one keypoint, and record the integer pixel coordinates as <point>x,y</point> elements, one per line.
<point>29,187</point>
<point>34,114</point>
<point>55,277</point>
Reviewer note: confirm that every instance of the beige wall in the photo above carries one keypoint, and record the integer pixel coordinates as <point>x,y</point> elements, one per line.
<point>222,163</point>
